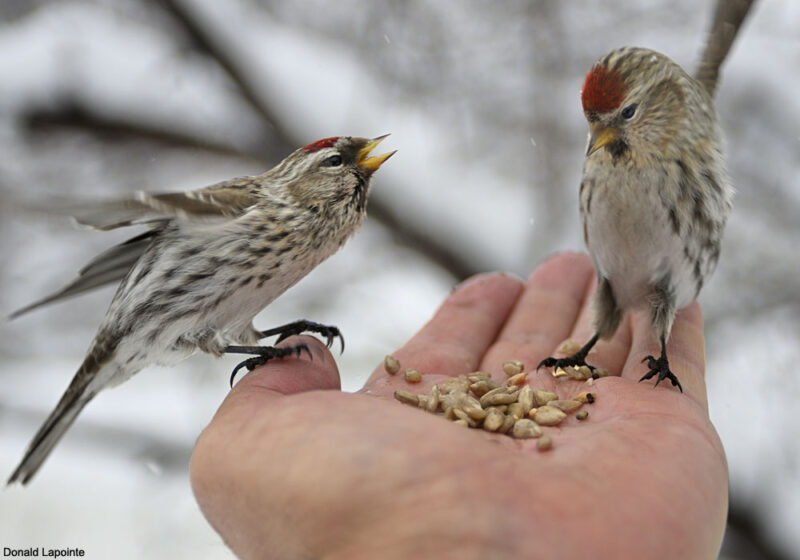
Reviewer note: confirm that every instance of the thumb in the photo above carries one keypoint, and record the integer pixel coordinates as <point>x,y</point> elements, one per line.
<point>308,371</point>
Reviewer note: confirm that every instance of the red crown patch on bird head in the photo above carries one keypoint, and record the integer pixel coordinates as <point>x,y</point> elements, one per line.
<point>319,144</point>
<point>603,90</point>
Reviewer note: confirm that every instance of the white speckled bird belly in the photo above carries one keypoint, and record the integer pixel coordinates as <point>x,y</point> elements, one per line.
<point>631,240</point>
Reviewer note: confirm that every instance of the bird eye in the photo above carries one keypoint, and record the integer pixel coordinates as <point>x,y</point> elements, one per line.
<point>333,161</point>
<point>629,111</point>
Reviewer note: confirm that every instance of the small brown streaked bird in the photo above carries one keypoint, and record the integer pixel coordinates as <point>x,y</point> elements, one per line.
<point>654,196</point>
<point>214,258</point>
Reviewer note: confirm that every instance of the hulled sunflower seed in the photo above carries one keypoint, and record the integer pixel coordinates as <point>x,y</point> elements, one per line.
<point>513,367</point>
<point>508,423</point>
<point>406,398</point>
<point>454,385</point>
<point>565,405</point>
<point>525,428</point>
<point>391,364</point>
<point>568,348</point>
<point>494,419</point>
<point>582,415</point>
<point>516,410</point>
<point>525,399</point>
<point>478,375</point>
<point>483,386</point>
<point>544,443</point>
<point>433,399</point>
<point>517,379</point>
<point>541,398</point>
<point>413,376</point>
<point>548,415</point>
<point>500,395</point>
<point>461,415</point>
<point>475,412</point>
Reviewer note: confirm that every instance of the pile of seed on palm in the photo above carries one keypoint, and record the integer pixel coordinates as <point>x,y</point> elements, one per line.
<point>515,408</point>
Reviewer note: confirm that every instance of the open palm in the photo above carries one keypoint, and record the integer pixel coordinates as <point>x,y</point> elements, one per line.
<point>290,467</point>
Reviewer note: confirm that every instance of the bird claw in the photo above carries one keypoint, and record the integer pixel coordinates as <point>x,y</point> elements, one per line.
<point>575,361</point>
<point>660,367</point>
<point>266,353</point>
<point>329,332</point>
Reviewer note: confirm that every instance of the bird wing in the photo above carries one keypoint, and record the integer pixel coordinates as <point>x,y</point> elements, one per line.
<point>222,201</point>
<point>108,267</point>
<point>225,200</point>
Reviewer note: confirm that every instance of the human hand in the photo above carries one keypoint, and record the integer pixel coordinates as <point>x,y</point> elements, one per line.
<point>290,467</point>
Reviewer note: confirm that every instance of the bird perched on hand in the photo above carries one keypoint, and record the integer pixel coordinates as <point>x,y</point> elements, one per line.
<point>654,196</point>
<point>214,258</point>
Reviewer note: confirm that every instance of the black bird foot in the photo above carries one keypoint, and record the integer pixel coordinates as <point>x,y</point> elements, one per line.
<point>577,360</point>
<point>303,325</point>
<point>660,367</point>
<point>263,354</point>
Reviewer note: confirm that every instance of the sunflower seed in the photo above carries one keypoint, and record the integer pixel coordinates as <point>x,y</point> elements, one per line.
<point>544,443</point>
<point>517,379</point>
<point>461,415</point>
<point>391,364</point>
<point>494,419</point>
<point>406,398</point>
<point>454,385</point>
<point>548,415</point>
<point>565,405</point>
<point>568,347</point>
<point>525,399</point>
<point>478,375</point>
<point>433,400</point>
<point>541,398</point>
<point>513,367</point>
<point>475,412</point>
<point>500,395</point>
<point>525,428</point>
<point>516,410</point>
<point>483,386</point>
<point>508,423</point>
<point>582,415</point>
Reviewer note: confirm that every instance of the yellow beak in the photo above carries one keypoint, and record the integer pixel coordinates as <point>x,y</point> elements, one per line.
<point>599,137</point>
<point>370,164</point>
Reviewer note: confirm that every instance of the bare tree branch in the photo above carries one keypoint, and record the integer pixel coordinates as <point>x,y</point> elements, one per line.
<point>728,18</point>
<point>456,263</point>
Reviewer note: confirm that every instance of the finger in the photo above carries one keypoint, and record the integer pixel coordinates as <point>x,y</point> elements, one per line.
<point>455,339</point>
<point>295,374</point>
<point>685,350</point>
<point>546,313</point>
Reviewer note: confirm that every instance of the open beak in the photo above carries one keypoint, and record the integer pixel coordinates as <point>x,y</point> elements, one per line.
<point>600,136</point>
<point>371,163</point>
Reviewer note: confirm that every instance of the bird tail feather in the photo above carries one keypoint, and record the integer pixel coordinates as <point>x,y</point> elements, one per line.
<point>77,395</point>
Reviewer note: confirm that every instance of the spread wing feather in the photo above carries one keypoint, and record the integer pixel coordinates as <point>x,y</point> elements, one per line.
<point>217,202</point>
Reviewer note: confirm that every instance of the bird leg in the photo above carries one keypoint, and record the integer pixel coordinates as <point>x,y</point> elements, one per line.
<point>303,325</point>
<point>660,366</point>
<point>578,359</point>
<point>262,354</point>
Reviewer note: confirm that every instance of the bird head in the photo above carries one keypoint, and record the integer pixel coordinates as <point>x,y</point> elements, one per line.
<point>330,177</point>
<point>633,99</point>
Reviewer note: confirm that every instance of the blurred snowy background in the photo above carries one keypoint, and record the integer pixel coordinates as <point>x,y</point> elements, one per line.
<point>103,97</point>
